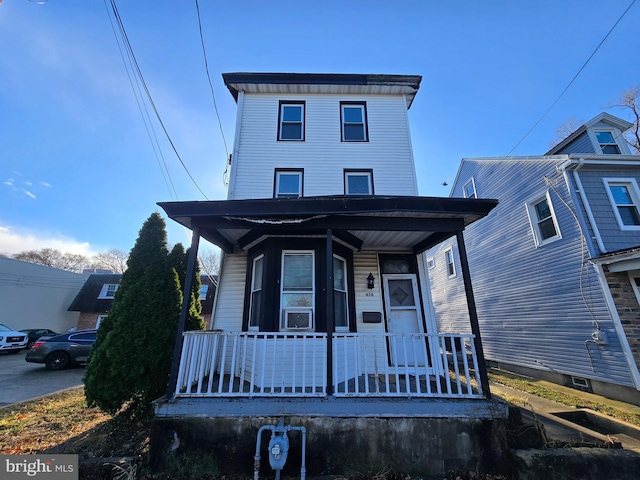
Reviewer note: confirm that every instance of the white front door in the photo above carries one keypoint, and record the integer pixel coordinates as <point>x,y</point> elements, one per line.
<point>404,316</point>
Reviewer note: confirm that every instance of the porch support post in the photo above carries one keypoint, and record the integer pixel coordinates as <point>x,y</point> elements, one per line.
<point>329,312</point>
<point>473,315</point>
<point>186,299</point>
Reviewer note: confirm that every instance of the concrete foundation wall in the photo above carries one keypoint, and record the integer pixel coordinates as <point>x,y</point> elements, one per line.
<point>337,446</point>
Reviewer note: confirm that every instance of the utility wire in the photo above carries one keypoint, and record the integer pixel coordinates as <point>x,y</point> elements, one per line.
<point>572,80</point>
<point>137,70</point>
<point>157,151</point>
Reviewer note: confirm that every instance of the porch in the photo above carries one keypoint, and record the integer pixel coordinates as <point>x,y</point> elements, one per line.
<point>303,365</point>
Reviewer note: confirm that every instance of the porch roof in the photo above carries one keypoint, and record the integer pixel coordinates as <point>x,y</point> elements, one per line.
<point>407,222</point>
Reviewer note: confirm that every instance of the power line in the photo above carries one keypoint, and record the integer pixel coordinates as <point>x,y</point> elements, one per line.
<point>138,72</point>
<point>572,80</point>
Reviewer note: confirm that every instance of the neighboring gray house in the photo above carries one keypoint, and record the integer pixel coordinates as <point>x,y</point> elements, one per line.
<point>556,266</point>
<point>323,311</point>
<point>95,299</point>
<point>37,296</point>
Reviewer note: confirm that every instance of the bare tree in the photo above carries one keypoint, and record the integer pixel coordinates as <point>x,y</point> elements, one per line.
<point>51,257</point>
<point>630,100</point>
<point>113,260</point>
<point>209,261</point>
<point>565,129</point>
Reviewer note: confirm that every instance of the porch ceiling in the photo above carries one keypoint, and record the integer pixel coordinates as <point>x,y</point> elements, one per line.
<point>401,222</point>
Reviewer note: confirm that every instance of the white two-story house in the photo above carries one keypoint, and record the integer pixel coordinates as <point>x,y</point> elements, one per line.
<point>323,304</point>
<point>556,266</point>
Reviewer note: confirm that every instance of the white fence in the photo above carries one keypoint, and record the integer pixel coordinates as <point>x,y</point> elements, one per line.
<point>252,364</point>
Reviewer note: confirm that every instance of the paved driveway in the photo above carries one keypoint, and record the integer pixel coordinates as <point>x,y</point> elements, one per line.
<point>20,381</point>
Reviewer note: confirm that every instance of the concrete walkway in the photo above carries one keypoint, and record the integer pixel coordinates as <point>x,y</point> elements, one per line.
<point>575,424</point>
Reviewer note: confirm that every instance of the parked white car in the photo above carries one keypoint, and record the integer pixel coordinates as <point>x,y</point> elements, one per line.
<point>12,341</point>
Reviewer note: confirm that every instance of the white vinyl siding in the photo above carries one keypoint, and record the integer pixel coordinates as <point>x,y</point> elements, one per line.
<point>322,155</point>
<point>367,300</point>
<point>230,293</point>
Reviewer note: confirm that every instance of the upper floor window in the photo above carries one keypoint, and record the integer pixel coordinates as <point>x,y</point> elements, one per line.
<point>623,194</point>
<point>108,290</point>
<point>297,298</point>
<point>543,220</point>
<point>358,182</point>
<point>353,119</point>
<point>607,142</point>
<point>470,189</point>
<point>291,124</point>
<point>288,184</point>
<point>450,262</point>
<point>203,291</point>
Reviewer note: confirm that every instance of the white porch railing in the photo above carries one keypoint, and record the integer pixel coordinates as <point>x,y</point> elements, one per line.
<point>252,364</point>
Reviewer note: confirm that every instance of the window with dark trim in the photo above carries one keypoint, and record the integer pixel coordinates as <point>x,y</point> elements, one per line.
<point>255,309</point>
<point>291,121</point>
<point>340,297</point>
<point>353,120</point>
<point>358,182</point>
<point>288,183</point>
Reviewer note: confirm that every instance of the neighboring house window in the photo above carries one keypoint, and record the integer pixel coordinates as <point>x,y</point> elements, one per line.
<point>623,194</point>
<point>291,124</point>
<point>203,291</point>
<point>358,182</point>
<point>470,189</point>
<point>288,184</point>
<point>255,310</point>
<point>297,291</point>
<point>354,122</point>
<point>607,142</point>
<point>634,278</point>
<point>108,290</point>
<point>543,221</point>
<point>431,263</point>
<point>450,263</point>
<point>340,293</point>
<point>100,319</point>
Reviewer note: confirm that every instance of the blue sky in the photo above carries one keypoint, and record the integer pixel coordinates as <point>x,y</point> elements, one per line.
<point>79,173</point>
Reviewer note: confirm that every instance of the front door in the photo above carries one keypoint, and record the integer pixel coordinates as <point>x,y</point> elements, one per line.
<point>404,317</point>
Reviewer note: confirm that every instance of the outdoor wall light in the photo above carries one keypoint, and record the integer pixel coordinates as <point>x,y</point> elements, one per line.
<point>370,281</point>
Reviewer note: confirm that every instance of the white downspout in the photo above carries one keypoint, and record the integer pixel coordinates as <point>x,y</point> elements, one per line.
<point>617,323</point>
<point>587,207</point>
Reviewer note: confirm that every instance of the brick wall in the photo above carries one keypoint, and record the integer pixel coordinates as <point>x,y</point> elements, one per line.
<point>628,309</point>
<point>87,320</point>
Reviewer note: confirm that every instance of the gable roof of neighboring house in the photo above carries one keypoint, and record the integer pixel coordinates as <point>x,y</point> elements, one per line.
<point>291,83</point>
<point>604,117</point>
<point>87,299</point>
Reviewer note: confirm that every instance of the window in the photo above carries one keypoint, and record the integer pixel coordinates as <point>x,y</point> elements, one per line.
<point>203,292</point>
<point>543,222</point>
<point>297,294</point>
<point>607,142</point>
<point>358,182</point>
<point>450,263</point>
<point>255,310</point>
<point>108,290</point>
<point>288,184</point>
<point>470,189</point>
<point>354,122</point>
<point>99,320</point>
<point>291,124</point>
<point>623,194</point>
<point>431,263</point>
<point>340,293</point>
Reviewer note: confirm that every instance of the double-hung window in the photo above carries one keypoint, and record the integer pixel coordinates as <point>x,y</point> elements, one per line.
<point>288,184</point>
<point>108,290</point>
<point>623,194</point>
<point>607,142</point>
<point>353,119</point>
<point>543,220</point>
<point>358,182</point>
<point>450,262</point>
<point>255,309</point>
<point>291,124</point>
<point>340,293</point>
<point>297,295</point>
